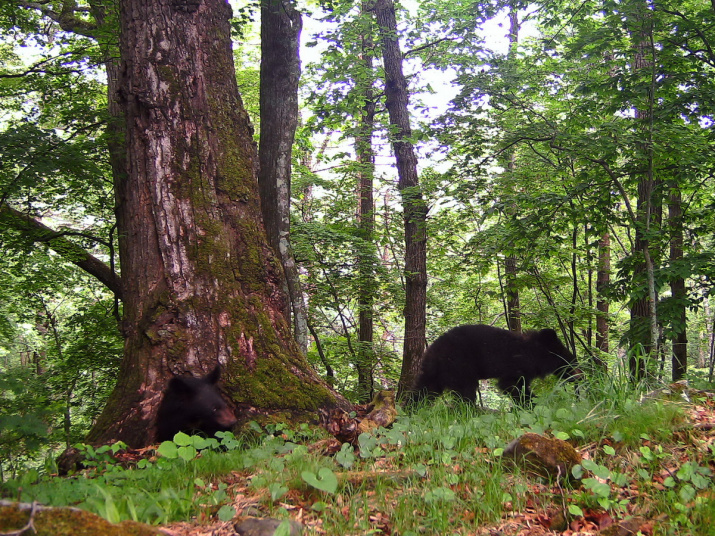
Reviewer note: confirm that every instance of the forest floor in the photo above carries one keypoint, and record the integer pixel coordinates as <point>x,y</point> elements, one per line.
<point>633,505</point>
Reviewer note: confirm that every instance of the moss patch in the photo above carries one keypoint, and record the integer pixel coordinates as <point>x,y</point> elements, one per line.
<point>65,522</point>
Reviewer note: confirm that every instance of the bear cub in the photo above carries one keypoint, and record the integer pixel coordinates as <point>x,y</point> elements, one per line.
<point>193,405</point>
<point>462,356</point>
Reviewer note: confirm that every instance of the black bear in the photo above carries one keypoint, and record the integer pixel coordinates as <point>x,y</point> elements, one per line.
<point>193,405</point>
<point>462,356</point>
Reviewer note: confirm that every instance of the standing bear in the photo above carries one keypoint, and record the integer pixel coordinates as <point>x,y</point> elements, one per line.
<point>461,357</point>
<point>193,405</point>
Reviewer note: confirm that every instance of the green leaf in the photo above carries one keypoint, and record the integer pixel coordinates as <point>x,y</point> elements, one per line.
<point>589,465</point>
<point>168,449</point>
<point>187,453</point>
<point>226,513</point>
<point>440,494</point>
<point>346,457</point>
<point>200,443</point>
<point>599,489</point>
<point>699,481</point>
<point>687,493</point>
<point>563,414</point>
<point>577,471</point>
<point>319,506</point>
<point>647,453</point>
<point>283,529</point>
<point>575,510</point>
<point>182,439</point>
<point>277,490</point>
<point>324,481</point>
<point>253,425</point>
<point>420,469</point>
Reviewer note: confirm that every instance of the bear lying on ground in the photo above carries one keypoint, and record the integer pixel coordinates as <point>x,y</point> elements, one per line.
<point>193,405</point>
<point>462,356</point>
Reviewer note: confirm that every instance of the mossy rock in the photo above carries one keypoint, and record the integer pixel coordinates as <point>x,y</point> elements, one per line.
<point>545,456</point>
<point>51,521</point>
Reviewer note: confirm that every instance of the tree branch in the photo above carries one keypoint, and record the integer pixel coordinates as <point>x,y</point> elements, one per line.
<point>66,18</point>
<point>39,232</point>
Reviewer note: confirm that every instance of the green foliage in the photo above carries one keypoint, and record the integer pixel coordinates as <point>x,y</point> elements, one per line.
<point>325,480</point>
<point>544,151</point>
<point>153,493</point>
<point>56,380</point>
<point>59,342</point>
<point>430,468</point>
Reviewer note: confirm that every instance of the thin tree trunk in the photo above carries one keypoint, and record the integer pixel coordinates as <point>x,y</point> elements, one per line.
<point>511,263</point>
<point>644,319</point>
<point>366,226</point>
<point>281,25</point>
<point>677,286</point>
<point>603,277</point>
<point>513,306</point>
<point>413,205</point>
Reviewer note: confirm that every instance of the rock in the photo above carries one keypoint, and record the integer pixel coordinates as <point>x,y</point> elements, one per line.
<point>265,527</point>
<point>546,456</point>
<point>628,527</point>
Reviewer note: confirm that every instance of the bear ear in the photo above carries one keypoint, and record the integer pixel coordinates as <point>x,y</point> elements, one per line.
<point>213,376</point>
<point>548,335</point>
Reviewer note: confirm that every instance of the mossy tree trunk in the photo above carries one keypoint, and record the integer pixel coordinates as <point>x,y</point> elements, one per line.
<point>201,285</point>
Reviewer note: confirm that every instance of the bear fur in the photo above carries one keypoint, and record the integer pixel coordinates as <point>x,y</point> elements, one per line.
<point>193,405</point>
<point>462,356</point>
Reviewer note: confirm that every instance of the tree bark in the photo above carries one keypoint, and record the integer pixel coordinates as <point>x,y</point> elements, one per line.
<point>643,330</point>
<point>201,285</point>
<point>281,25</point>
<point>603,276</point>
<point>677,286</point>
<point>511,288</point>
<point>413,205</point>
<point>367,255</point>
<point>511,263</point>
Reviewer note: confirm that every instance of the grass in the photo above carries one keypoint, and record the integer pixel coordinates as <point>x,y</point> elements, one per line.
<point>437,470</point>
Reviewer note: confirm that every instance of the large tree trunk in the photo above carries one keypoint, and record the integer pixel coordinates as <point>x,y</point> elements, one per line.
<point>201,285</point>
<point>413,205</point>
<point>677,286</point>
<point>280,72</point>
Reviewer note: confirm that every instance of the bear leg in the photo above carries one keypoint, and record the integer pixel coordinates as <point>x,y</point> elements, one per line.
<point>518,389</point>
